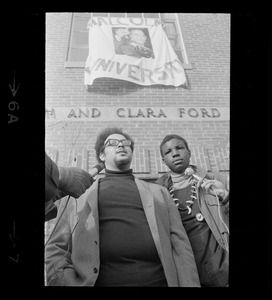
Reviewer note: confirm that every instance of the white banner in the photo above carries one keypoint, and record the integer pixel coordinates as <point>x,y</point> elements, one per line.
<point>132,49</point>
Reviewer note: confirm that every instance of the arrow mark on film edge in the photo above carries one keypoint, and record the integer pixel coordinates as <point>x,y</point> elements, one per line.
<point>13,88</point>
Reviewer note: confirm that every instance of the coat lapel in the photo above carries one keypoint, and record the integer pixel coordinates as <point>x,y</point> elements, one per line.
<point>147,199</point>
<point>88,216</point>
<point>92,200</point>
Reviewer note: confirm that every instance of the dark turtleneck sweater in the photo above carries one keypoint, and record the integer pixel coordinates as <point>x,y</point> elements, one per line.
<point>128,255</point>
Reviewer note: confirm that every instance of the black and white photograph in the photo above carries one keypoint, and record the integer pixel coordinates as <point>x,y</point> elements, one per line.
<point>137,151</point>
<point>129,133</point>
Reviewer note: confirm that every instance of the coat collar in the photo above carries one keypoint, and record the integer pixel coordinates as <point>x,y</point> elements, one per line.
<point>166,181</point>
<point>147,199</point>
<point>145,194</point>
<point>199,171</point>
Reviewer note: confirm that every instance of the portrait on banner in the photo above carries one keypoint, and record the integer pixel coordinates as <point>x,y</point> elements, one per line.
<point>134,42</point>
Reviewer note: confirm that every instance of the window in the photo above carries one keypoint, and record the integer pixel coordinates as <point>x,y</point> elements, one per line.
<point>78,46</point>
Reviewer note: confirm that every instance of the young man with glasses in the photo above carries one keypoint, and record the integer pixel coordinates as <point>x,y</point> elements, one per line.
<point>122,232</point>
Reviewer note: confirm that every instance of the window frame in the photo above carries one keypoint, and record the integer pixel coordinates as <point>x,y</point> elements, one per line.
<point>81,64</point>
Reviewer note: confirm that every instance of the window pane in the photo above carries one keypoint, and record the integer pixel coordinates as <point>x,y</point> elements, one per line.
<point>80,23</point>
<point>170,27</point>
<point>168,16</point>
<point>179,54</point>
<point>80,39</point>
<point>78,54</point>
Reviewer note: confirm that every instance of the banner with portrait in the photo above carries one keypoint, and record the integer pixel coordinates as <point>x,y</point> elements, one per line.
<point>132,49</point>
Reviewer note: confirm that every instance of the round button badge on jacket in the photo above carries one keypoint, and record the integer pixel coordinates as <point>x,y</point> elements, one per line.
<point>199,217</point>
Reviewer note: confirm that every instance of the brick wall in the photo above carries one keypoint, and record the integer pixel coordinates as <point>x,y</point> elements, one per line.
<point>207,42</point>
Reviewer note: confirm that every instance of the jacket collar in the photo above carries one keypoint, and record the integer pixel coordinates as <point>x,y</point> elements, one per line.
<point>147,199</point>
<point>166,181</point>
<point>92,194</point>
<point>199,171</point>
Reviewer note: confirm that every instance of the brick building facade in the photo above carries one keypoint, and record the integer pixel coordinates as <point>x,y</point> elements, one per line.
<point>206,38</point>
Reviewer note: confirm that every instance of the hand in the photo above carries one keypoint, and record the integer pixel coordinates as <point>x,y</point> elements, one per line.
<point>223,195</point>
<point>213,187</point>
<point>74,181</point>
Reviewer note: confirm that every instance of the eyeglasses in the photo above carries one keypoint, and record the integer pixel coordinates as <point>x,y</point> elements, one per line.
<point>114,142</point>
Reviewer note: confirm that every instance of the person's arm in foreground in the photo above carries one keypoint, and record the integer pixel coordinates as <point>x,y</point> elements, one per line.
<point>58,250</point>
